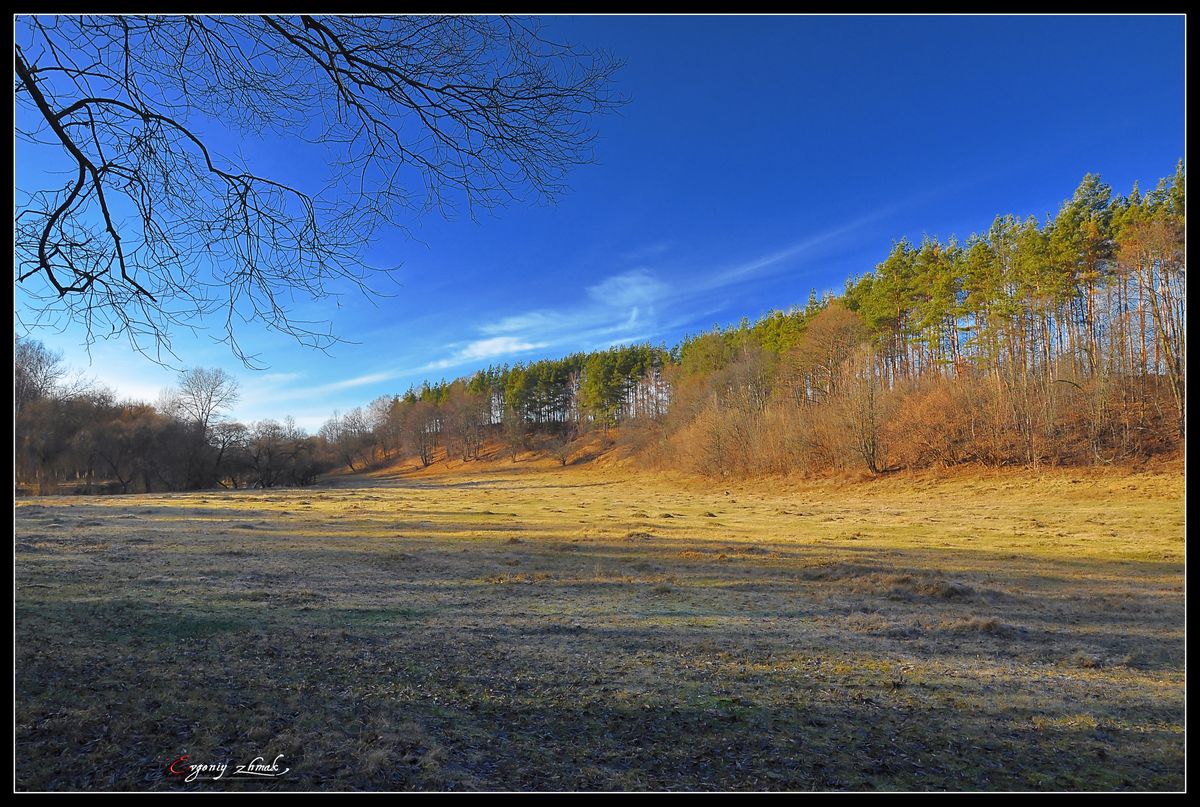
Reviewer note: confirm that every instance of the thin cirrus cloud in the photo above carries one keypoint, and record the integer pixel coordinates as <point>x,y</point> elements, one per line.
<point>357,381</point>
<point>641,301</point>
<point>616,308</point>
<point>489,348</point>
<point>255,392</point>
<point>634,288</point>
<point>478,350</point>
<point>807,247</point>
<point>629,306</point>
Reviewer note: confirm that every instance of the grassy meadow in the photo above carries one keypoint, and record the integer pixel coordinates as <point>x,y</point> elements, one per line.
<point>527,627</point>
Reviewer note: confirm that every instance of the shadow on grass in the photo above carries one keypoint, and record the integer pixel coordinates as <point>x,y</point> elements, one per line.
<point>420,711</point>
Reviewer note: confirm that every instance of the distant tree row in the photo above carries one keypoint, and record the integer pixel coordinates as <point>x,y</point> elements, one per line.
<point>550,400</point>
<point>76,438</point>
<point>1056,342</point>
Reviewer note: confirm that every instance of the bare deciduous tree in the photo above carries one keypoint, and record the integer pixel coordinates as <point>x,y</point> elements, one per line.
<point>420,431</point>
<point>203,395</point>
<point>36,371</point>
<point>153,229</point>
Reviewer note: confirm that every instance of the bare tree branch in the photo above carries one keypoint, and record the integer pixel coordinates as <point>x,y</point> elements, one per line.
<point>154,231</point>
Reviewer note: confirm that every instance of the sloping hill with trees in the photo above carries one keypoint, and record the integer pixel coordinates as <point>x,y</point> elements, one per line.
<point>1059,342</point>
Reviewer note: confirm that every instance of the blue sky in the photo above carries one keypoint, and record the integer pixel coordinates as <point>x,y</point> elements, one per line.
<point>757,158</point>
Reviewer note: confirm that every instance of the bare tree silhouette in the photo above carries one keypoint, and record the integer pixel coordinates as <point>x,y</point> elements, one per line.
<point>154,230</point>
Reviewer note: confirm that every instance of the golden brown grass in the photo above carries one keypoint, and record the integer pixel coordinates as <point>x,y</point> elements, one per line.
<point>528,627</point>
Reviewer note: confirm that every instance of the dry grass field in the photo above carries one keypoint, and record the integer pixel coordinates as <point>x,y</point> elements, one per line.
<point>527,627</point>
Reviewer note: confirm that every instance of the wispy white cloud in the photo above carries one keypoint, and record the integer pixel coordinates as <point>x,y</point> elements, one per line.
<point>755,267</point>
<point>650,302</point>
<point>528,321</point>
<point>618,303</point>
<point>490,348</point>
<point>641,301</point>
<point>626,305</point>
<point>632,305</point>
<point>628,289</point>
<point>278,378</point>
<point>357,381</point>
<point>264,394</point>
<point>496,346</point>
